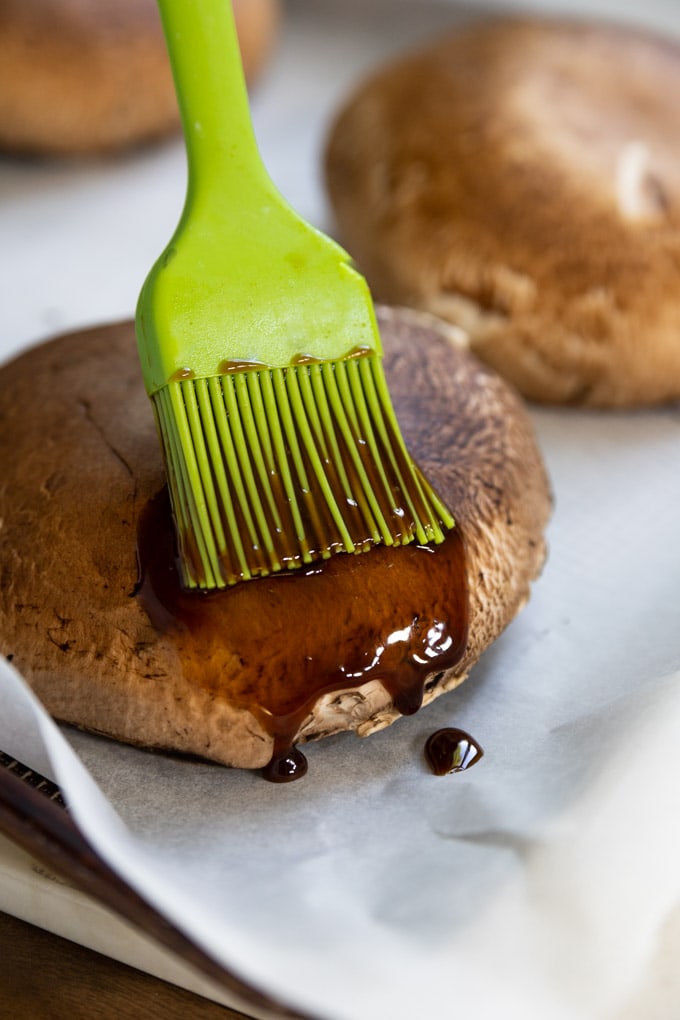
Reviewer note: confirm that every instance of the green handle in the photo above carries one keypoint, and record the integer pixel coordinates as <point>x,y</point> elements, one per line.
<point>222,152</point>
<point>244,279</point>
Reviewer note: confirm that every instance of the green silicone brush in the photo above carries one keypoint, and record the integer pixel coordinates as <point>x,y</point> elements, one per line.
<point>261,354</point>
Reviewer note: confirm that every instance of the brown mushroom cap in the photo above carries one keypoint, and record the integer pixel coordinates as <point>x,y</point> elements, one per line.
<point>521,178</point>
<point>81,461</point>
<point>82,76</point>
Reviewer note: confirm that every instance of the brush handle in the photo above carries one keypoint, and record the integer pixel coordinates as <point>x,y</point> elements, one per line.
<point>222,153</point>
<point>244,278</point>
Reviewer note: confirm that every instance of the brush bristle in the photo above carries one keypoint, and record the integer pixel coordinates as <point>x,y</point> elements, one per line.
<point>272,469</point>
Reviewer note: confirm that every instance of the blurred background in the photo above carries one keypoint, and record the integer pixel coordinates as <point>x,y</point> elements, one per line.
<point>79,232</point>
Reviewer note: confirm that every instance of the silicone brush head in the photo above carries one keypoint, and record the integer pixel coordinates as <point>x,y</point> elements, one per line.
<point>271,469</point>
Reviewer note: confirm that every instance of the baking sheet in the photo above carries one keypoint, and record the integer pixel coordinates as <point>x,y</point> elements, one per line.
<point>542,883</point>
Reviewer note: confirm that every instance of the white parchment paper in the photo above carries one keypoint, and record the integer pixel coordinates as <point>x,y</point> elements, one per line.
<point>542,883</point>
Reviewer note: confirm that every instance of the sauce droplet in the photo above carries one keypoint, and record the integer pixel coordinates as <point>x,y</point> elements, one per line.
<point>286,767</point>
<point>451,750</point>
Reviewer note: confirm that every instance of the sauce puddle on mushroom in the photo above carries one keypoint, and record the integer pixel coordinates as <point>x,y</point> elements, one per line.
<point>277,644</point>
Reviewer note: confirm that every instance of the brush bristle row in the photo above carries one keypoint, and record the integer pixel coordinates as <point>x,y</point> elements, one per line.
<point>272,469</point>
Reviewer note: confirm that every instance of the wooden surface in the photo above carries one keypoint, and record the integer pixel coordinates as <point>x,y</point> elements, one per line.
<point>43,977</point>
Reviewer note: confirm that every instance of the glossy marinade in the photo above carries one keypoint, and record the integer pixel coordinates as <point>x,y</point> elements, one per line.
<point>275,645</point>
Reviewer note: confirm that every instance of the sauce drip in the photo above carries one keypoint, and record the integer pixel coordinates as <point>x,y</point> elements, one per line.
<point>451,750</point>
<point>291,765</point>
<point>276,644</point>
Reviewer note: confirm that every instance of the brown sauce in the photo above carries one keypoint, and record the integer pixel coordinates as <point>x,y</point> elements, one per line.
<point>451,750</point>
<point>181,374</point>
<point>286,767</point>
<point>227,366</point>
<point>276,644</point>
<point>311,359</point>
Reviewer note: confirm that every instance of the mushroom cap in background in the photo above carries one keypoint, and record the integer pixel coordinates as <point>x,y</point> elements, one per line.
<point>520,177</point>
<point>93,76</point>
